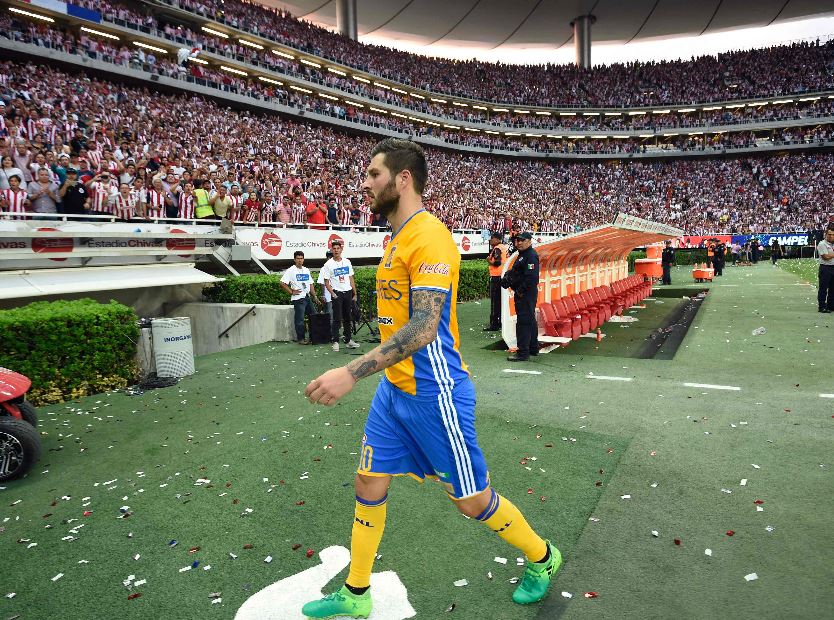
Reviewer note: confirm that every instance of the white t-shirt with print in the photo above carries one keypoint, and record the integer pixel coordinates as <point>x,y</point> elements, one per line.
<point>338,272</point>
<point>299,279</point>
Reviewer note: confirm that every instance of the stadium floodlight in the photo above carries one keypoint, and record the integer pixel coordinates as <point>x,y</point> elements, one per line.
<point>381,85</point>
<point>399,90</point>
<point>310,63</point>
<point>511,133</point>
<point>583,114</point>
<point>685,110</point>
<point>99,33</point>
<point>500,110</point>
<point>199,61</point>
<point>575,137</point>
<point>283,54</point>
<point>354,103</point>
<point>419,96</point>
<point>661,111</point>
<point>712,107</point>
<point>696,133</point>
<point>326,96</point>
<point>150,47</point>
<point>233,70</point>
<point>734,106</point>
<point>380,110</point>
<point>670,135</point>
<point>270,80</point>
<point>257,46</point>
<point>808,99</point>
<point>620,137</point>
<point>432,123</point>
<point>451,127</point>
<point>336,71</point>
<point>300,89</point>
<point>415,119</point>
<point>556,137</point>
<point>646,135</point>
<point>542,113</point>
<point>521,111</point>
<point>216,33</point>
<point>637,113</point>
<point>359,78</point>
<point>436,100</point>
<point>479,107</point>
<point>472,129</point>
<point>781,101</point>
<point>30,14</point>
<point>571,113</point>
<point>494,133</point>
<point>460,104</point>
<point>613,114</point>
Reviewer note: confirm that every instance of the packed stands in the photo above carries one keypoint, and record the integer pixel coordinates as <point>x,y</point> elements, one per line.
<point>104,125</point>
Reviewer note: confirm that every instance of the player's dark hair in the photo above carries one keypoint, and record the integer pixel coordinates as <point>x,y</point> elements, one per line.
<point>404,155</point>
<point>298,253</point>
<point>497,235</point>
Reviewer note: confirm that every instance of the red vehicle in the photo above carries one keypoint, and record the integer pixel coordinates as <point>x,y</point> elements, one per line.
<point>20,445</point>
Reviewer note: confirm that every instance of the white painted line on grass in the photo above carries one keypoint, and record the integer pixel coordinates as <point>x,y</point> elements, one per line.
<point>826,395</point>
<point>522,372</point>
<point>605,378</point>
<point>710,386</point>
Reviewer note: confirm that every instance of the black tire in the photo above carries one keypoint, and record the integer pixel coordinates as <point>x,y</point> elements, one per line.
<point>29,413</point>
<point>20,448</point>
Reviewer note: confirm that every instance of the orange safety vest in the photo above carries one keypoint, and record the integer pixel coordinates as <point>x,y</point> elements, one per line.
<point>495,270</point>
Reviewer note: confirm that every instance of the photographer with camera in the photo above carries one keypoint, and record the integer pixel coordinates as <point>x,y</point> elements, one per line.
<point>523,278</point>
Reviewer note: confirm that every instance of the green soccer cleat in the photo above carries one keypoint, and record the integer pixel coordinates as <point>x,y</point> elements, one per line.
<point>341,604</point>
<point>537,578</point>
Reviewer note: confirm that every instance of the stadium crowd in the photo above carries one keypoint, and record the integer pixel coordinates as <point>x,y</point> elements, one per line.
<point>781,70</point>
<point>155,150</point>
<point>67,41</point>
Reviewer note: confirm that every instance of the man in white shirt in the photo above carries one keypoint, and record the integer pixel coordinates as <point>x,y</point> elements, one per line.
<point>338,280</point>
<point>298,282</point>
<point>325,294</point>
<point>825,292</point>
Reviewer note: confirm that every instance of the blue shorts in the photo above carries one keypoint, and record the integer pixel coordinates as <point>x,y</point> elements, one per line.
<point>425,436</point>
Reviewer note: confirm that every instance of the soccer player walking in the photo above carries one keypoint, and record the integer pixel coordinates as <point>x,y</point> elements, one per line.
<point>426,394</point>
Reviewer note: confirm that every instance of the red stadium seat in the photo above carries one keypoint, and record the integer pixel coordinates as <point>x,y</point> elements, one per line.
<point>554,325</point>
<point>562,312</point>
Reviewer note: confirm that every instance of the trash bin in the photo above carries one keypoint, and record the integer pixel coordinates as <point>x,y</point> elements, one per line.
<point>173,348</point>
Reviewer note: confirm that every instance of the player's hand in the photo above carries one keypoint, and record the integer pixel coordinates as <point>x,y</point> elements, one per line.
<point>330,387</point>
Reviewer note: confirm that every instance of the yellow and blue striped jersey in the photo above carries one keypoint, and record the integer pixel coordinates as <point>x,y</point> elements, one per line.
<point>421,255</point>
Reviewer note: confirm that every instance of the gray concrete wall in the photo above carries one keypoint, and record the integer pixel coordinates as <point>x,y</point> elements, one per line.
<point>267,323</point>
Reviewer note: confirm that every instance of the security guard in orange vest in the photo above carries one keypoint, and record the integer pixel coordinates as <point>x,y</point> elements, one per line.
<point>496,258</point>
<point>710,252</point>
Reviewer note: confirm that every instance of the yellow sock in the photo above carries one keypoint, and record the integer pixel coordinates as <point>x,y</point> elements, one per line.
<point>368,526</point>
<point>506,520</point>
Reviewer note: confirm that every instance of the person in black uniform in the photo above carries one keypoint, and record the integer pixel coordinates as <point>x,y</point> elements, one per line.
<point>75,199</point>
<point>718,258</point>
<point>667,259</point>
<point>523,278</point>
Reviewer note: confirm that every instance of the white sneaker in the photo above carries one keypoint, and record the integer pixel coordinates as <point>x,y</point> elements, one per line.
<point>336,347</point>
<point>352,345</point>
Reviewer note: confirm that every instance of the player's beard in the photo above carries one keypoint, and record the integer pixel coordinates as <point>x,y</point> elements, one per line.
<point>386,201</point>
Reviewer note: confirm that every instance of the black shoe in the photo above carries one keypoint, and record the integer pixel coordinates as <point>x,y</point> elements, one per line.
<point>515,357</point>
<point>824,310</point>
<point>534,353</point>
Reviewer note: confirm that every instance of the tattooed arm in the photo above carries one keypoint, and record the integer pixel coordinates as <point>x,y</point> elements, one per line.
<point>421,330</point>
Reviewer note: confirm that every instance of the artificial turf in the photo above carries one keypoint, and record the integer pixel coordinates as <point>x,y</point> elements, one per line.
<point>241,424</point>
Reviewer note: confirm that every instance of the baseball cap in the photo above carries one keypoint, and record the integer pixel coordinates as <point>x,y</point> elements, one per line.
<point>524,235</point>
<point>72,171</point>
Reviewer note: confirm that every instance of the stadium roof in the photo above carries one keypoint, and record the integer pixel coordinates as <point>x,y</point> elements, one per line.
<point>545,24</point>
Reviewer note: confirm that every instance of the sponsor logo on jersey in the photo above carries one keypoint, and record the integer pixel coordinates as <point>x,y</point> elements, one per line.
<point>435,268</point>
<point>385,320</point>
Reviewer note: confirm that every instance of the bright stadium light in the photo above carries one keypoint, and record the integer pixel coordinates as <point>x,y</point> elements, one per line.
<point>531,135</point>
<point>540,113</point>
<point>326,96</point>
<point>685,110</point>
<point>283,54</point>
<point>399,90</point>
<point>303,90</point>
<point>199,61</point>
<point>494,133</point>
<point>460,104</point>
<point>554,137</point>
<point>99,33</point>
<point>613,114</point>
<point>511,133</point>
<point>355,104</point>
<point>472,129</point>
<point>637,113</point>
<point>359,78</point>
<point>257,46</point>
<point>381,85</point>
<point>336,71</point>
<point>781,101</point>
<point>500,109</point>
<point>661,111</point>
<point>30,14</point>
<point>451,127</point>
<point>415,119</point>
<point>380,110</point>
<point>646,135</point>
<point>436,100</point>
<point>479,107</point>
<point>417,95</point>
<point>574,113</point>
<point>521,111</point>
<point>712,107</point>
<point>734,106</point>
<point>270,80</point>
<point>233,70</point>
<point>150,47</point>
<point>583,114</point>
<point>310,62</point>
<point>432,123</point>
<point>216,33</point>
<point>398,115</point>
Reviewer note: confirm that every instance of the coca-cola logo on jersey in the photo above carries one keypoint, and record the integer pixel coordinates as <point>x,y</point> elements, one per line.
<point>271,244</point>
<point>180,244</point>
<point>334,237</point>
<point>50,245</point>
<point>464,243</point>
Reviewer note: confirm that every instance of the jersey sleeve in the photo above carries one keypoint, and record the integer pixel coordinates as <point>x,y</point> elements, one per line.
<point>434,263</point>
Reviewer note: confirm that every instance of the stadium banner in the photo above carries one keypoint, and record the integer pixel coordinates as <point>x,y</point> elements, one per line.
<point>65,8</point>
<point>788,238</point>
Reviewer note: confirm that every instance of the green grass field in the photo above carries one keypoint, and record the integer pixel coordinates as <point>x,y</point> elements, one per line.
<point>234,456</point>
